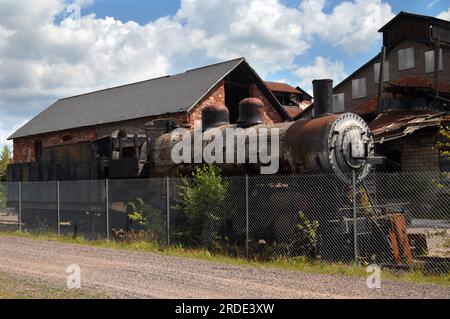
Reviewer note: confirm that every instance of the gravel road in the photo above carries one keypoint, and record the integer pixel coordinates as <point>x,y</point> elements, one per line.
<point>125,274</point>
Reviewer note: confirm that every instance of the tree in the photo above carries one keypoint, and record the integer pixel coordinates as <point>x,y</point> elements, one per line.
<point>5,159</point>
<point>443,145</point>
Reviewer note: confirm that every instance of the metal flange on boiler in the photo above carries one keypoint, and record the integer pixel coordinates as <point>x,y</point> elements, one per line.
<point>350,146</point>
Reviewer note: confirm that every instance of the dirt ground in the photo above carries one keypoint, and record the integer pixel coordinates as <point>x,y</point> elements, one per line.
<point>125,274</point>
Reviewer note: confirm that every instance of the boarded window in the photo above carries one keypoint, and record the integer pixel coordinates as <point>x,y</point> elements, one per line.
<point>376,71</point>
<point>406,59</point>
<point>359,88</point>
<point>338,103</point>
<point>429,61</point>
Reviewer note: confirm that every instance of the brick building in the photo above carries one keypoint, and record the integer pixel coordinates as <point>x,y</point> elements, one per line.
<point>178,99</point>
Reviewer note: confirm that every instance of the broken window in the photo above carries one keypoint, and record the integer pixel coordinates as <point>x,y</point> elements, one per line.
<point>429,61</point>
<point>359,88</point>
<point>406,59</point>
<point>376,71</point>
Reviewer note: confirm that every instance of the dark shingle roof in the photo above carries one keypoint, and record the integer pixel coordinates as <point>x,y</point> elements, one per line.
<point>170,94</point>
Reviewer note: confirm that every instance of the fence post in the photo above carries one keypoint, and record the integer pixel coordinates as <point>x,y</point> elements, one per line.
<point>168,209</point>
<point>246,218</point>
<point>355,217</point>
<point>107,207</point>
<point>58,207</point>
<point>20,206</point>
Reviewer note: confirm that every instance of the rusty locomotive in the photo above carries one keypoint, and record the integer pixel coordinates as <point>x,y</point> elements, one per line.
<point>333,143</point>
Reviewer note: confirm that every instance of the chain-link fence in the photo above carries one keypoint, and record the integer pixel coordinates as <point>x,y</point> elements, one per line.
<point>9,206</point>
<point>398,220</point>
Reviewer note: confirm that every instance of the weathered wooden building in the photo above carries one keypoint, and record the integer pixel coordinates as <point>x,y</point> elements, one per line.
<point>415,97</point>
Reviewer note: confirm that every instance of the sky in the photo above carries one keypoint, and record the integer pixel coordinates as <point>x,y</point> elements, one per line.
<point>50,49</point>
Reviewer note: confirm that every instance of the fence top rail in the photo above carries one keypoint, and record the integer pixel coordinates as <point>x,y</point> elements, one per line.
<point>373,174</point>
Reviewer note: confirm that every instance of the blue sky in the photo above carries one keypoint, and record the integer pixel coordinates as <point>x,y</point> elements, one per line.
<point>47,52</point>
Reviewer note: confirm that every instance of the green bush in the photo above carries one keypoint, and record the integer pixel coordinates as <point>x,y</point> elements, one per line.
<point>201,201</point>
<point>307,234</point>
<point>5,159</point>
<point>150,219</point>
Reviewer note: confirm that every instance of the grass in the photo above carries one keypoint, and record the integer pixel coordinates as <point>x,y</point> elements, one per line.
<point>295,264</point>
<point>13,287</point>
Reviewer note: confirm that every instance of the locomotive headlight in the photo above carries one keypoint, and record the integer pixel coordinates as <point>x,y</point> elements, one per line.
<point>350,145</point>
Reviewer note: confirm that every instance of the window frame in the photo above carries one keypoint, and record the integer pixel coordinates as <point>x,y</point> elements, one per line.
<point>386,74</point>
<point>407,66</point>
<point>441,61</point>
<point>337,97</point>
<point>363,93</point>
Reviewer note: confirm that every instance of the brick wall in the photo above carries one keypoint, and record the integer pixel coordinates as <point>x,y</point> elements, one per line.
<point>418,153</point>
<point>271,115</point>
<point>24,148</point>
<point>216,95</point>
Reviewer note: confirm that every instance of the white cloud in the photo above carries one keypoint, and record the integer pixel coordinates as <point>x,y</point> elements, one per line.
<point>41,60</point>
<point>322,68</point>
<point>432,3</point>
<point>351,26</point>
<point>444,15</point>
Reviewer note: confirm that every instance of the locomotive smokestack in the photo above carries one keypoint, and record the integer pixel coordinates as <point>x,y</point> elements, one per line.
<point>251,112</point>
<point>323,97</point>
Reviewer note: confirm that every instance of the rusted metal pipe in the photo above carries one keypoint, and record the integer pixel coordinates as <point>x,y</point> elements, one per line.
<point>437,54</point>
<point>323,97</point>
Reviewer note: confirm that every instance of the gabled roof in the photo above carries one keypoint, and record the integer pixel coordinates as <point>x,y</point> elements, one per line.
<point>373,60</point>
<point>413,15</point>
<point>165,95</point>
